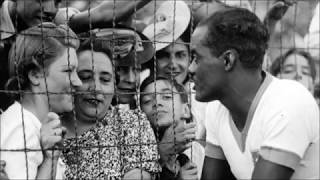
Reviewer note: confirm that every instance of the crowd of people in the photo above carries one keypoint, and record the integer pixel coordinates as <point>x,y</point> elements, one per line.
<point>162,90</point>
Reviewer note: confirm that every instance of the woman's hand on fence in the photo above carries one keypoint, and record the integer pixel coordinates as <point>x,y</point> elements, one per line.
<point>52,134</point>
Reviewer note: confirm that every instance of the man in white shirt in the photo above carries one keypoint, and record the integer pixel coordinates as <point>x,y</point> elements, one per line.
<point>260,127</point>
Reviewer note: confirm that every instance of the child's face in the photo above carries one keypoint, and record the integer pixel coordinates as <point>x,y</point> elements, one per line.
<point>162,104</point>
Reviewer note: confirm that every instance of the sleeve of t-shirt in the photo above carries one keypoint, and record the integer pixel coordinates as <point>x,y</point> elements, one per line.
<point>64,15</point>
<point>22,157</point>
<point>139,148</point>
<point>212,148</point>
<point>288,134</point>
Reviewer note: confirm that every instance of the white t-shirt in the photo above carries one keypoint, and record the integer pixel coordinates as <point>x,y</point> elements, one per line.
<point>282,126</point>
<point>20,135</point>
<point>20,143</point>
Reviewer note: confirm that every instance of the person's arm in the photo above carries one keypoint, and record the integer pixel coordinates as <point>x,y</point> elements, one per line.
<point>216,169</point>
<point>103,15</point>
<point>51,136</point>
<point>47,169</point>
<point>265,169</point>
<point>276,12</point>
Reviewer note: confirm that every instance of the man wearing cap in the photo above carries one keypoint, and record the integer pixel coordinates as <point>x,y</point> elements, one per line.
<point>261,127</point>
<point>17,15</point>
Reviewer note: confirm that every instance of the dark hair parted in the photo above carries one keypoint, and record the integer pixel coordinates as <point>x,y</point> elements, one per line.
<point>151,79</point>
<point>35,49</point>
<point>238,29</point>
<point>278,63</point>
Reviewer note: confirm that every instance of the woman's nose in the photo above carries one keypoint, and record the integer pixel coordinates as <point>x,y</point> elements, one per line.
<point>75,81</point>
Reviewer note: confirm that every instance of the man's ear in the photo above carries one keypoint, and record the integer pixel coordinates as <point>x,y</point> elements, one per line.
<point>229,59</point>
<point>35,77</point>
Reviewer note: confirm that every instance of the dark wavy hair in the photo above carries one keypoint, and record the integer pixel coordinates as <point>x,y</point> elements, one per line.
<point>238,29</point>
<point>277,64</point>
<point>35,49</point>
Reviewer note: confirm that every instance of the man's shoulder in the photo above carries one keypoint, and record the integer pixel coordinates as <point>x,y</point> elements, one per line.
<point>288,93</point>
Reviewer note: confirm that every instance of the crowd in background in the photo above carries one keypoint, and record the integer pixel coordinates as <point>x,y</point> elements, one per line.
<point>100,89</point>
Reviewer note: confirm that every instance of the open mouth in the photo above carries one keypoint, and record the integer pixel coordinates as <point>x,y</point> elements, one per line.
<point>93,101</point>
<point>174,73</point>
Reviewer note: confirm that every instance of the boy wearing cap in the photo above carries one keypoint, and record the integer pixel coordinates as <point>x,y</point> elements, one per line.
<point>261,127</point>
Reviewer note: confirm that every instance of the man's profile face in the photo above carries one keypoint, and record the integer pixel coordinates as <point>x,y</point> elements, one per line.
<point>33,12</point>
<point>207,70</point>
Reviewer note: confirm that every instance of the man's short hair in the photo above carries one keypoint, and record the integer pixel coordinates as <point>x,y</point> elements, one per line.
<point>238,29</point>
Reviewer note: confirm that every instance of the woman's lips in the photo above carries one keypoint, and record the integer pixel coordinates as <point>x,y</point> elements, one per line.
<point>174,74</point>
<point>93,101</point>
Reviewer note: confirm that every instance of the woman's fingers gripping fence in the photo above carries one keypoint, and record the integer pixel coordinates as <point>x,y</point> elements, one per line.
<point>52,135</point>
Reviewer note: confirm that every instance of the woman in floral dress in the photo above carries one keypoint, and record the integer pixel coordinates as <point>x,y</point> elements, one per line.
<point>104,142</point>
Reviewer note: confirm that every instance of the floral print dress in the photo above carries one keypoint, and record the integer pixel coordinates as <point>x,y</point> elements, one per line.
<point>122,141</point>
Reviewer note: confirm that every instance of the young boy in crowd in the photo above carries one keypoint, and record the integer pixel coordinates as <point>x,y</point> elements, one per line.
<point>165,104</point>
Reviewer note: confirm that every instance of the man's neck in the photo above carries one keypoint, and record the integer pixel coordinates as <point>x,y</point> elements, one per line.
<point>240,97</point>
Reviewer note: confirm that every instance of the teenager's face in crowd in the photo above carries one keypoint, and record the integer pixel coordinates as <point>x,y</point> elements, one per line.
<point>174,60</point>
<point>129,77</point>
<point>164,106</point>
<point>296,67</point>
<point>33,11</point>
<point>60,81</point>
<point>94,96</point>
<point>206,69</point>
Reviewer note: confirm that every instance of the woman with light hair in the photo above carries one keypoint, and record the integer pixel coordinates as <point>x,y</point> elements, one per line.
<point>42,66</point>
